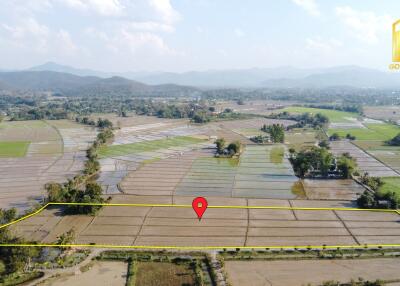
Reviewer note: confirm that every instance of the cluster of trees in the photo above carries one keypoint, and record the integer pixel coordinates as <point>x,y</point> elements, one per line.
<point>101,123</point>
<point>72,190</point>
<point>276,132</point>
<point>303,120</point>
<point>319,162</point>
<point>49,111</point>
<point>230,150</point>
<point>374,198</point>
<point>395,141</point>
<point>356,108</point>
<point>336,137</point>
<point>13,259</point>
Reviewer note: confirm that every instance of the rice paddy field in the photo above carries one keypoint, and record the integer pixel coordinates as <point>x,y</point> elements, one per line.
<point>45,151</point>
<point>171,226</point>
<point>301,138</point>
<point>334,116</point>
<point>366,162</point>
<point>13,149</point>
<point>311,272</point>
<point>370,132</point>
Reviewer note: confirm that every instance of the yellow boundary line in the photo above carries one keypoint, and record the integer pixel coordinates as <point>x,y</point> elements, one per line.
<point>200,247</point>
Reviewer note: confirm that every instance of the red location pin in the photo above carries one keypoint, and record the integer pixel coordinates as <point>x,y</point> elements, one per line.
<point>199,205</point>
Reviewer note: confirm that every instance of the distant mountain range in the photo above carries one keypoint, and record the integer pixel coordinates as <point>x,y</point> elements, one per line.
<point>70,84</point>
<point>72,81</point>
<point>281,77</point>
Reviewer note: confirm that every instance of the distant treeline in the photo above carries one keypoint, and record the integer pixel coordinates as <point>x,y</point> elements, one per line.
<point>346,108</point>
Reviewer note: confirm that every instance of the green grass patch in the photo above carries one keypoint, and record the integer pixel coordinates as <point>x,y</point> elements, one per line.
<point>333,115</point>
<point>14,148</point>
<point>378,132</point>
<point>392,184</point>
<point>146,146</point>
<point>276,155</point>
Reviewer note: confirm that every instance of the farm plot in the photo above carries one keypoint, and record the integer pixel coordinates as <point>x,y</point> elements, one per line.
<point>370,131</point>
<point>101,273</point>
<point>135,147</point>
<point>334,116</point>
<point>176,226</point>
<point>310,272</point>
<point>53,154</point>
<point>366,163</point>
<point>382,112</point>
<point>161,273</point>
<point>300,138</point>
<point>332,189</point>
<point>261,172</point>
<point>389,155</point>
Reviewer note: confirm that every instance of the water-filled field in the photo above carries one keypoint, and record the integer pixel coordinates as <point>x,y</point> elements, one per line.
<point>261,172</point>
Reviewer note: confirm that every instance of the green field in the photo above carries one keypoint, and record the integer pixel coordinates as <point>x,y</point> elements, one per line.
<point>14,148</point>
<point>146,146</point>
<point>379,132</point>
<point>299,138</point>
<point>333,115</point>
<point>392,184</point>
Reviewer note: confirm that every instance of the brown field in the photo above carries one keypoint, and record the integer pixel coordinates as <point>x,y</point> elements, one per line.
<point>310,272</point>
<point>102,273</point>
<point>382,112</point>
<point>56,152</point>
<point>332,189</point>
<point>171,226</point>
<point>168,274</point>
<point>366,163</point>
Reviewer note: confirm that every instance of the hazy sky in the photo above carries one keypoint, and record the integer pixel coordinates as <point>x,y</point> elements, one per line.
<point>181,35</point>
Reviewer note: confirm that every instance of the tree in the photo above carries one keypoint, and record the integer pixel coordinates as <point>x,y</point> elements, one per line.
<point>234,148</point>
<point>334,137</point>
<point>55,192</point>
<point>314,160</point>
<point>220,143</point>
<point>395,141</point>
<point>346,166</point>
<point>66,238</point>
<point>276,132</point>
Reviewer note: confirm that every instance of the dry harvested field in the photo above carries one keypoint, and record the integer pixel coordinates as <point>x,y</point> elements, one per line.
<point>332,189</point>
<point>261,107</point>
<point>102,273</point>
<point>172,226</point>
<point>168,274</point>
<point>314,272</point>
<point>56,152</point>
<point>382,112</point>
<point>365,162</point>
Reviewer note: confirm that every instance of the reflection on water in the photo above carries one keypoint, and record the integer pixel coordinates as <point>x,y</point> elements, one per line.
<point>231,162</point>
<point>298,190</point>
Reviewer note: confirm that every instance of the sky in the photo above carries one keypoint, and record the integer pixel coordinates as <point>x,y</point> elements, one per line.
<point>184,35</point>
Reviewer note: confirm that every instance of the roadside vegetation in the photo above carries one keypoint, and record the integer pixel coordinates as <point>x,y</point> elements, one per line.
<point>82,188</point>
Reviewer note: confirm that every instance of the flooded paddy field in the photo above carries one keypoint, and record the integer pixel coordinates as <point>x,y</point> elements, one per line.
<point>55,152</point>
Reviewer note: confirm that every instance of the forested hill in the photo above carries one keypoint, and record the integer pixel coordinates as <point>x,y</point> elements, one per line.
<point>70,85</point>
